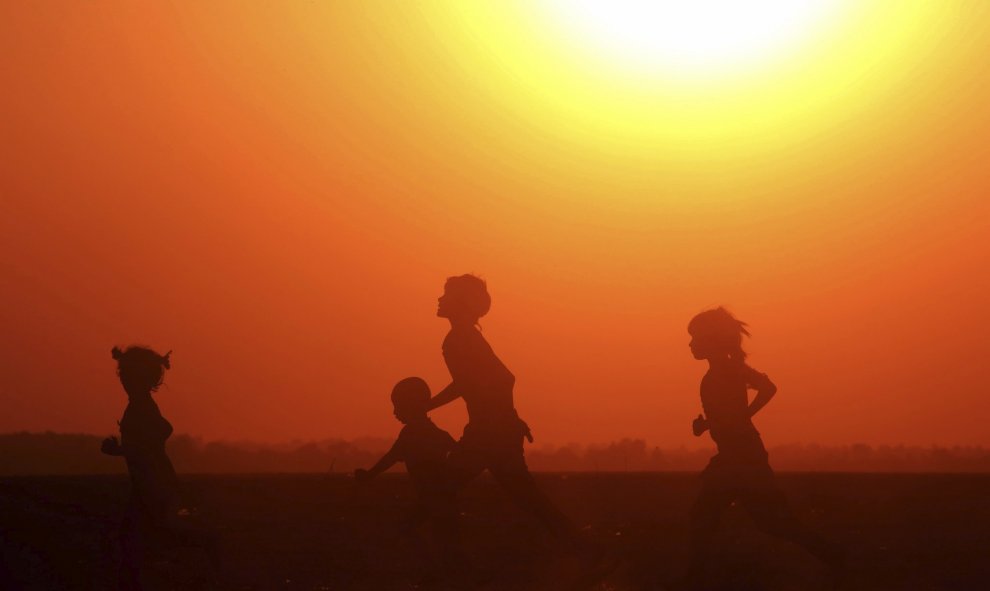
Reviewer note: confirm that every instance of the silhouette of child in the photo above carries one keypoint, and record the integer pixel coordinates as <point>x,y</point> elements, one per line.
<point>740,471</point>
<point>423,447</point>
<point>493,437</point>
<point>153,502</point>
<point>143,431</point>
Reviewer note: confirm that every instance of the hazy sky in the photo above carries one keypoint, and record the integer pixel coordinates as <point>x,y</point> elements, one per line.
<point>277,191</point>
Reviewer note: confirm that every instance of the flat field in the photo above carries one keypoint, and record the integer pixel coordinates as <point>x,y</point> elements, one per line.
<point>325,532</point>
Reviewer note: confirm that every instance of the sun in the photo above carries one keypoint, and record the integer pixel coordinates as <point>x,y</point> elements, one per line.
<point>696,38</point>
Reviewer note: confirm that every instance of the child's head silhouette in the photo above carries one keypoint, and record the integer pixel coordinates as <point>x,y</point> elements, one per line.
<point>410,397</point>
<point>141,370</point>
<point>717,333</point>
<point>465,297</point>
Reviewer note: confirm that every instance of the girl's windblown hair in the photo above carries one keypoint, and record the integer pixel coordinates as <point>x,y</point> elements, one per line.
<point>721,330</point>
<point>141,366</point>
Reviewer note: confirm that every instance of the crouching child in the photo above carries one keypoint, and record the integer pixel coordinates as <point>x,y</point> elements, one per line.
<point>423,447</point>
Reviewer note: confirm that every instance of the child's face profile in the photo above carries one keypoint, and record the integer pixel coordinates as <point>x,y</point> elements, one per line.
<point>700,346</point>
<point>406,412</point>
<point>453,303</point>
<point>445,303</point>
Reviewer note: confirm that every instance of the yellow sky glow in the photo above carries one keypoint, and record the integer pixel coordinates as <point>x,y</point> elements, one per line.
<point>277,191</point>
<point>700,39</point>
<point>602,73</point>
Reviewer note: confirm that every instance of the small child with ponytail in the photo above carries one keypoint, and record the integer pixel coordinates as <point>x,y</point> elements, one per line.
<point>143,432</point>
<point>151,511</point>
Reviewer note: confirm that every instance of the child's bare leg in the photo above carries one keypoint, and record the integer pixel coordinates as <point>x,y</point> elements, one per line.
<point>131,551</point>
<point>514,477</point>
<point>772,515</point>
<point>446,531</point>
<point>464,464</point>
<point>705,516</point>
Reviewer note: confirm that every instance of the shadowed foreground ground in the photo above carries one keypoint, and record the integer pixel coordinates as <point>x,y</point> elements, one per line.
<point>327,533</point>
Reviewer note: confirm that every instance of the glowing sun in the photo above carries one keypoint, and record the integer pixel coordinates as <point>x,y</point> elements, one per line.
<point>697,37</point>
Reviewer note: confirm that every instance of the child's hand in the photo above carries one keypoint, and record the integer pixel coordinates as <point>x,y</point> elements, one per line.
<point>700,425</point>
<point>362,475</point>
<point>525,431</point>
<point>111,446</point>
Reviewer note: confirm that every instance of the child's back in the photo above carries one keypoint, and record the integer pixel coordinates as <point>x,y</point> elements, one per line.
<point>421,445</point>
<point>424,447</point>
<point>143,432</point>
<point>725,400</point>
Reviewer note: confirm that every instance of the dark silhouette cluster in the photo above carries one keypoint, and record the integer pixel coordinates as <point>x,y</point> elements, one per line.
<point>493,438</point>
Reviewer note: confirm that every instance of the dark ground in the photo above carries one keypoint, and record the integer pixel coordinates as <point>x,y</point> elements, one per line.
<point>322,532</point>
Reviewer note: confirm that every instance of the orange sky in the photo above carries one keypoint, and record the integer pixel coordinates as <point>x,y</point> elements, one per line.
<point>277,191</point>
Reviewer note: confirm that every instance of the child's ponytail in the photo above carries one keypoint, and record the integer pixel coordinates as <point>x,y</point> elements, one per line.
<point>725,331</point>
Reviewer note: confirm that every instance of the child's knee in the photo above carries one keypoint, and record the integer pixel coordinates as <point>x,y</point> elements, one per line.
<point>708,505</point>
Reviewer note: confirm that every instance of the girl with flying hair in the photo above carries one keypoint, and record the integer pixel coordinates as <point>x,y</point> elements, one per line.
<point>740,471</point>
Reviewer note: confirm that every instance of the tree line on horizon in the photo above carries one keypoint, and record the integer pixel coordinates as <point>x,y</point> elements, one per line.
<point>53,453</point>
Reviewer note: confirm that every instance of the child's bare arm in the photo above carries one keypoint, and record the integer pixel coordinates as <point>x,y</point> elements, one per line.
<point>387,461</point>
<point>445,396</point>
<point>765,390</point>
<point>699,425</point>
<point>112,447</point>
